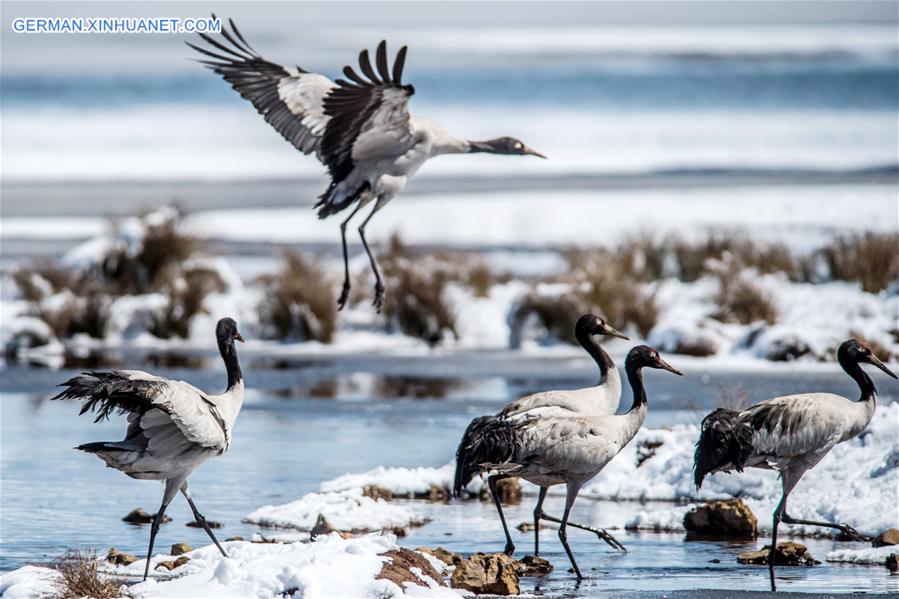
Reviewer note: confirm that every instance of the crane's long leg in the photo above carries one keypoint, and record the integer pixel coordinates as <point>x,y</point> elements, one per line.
<point>538,512</point>
<point>171,487</point>
<point>199,517</point>
<point>345,294</point>
<point>788,480</point>
<point>570,496</point>
<point>379,283</point>
<point>599,532</point>
<point>491,482</point>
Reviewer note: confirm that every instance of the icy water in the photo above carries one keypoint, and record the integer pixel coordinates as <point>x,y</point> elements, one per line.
<point>309,421</point>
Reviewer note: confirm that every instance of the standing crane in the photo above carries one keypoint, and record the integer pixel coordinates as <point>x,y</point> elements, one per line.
<point>359,128</point>
<point>790,435</point>
<point>554,450</point>
<point>598,399</point>
<point>173,427</point>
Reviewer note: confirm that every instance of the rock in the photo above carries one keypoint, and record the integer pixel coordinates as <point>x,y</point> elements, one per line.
<point>531,565</point>
<point>888,537</point>
<point>114,556</point>
<point>209,523</point>
<point>496,574</point>
<point>786,554</point>
<point>323,527</point>
<point>529,526</point>
<point>399,565</point>
<point>892,563</point>
<point>438,494</point>
<point>235,538</point>
<point>180,548</point>
<point>787,350</point>
<point>376,492</point>
<point>172,564</point>
<point>450,558</point>
<point>508,489</point>
<point>140,516</point>
<point>728,518</point>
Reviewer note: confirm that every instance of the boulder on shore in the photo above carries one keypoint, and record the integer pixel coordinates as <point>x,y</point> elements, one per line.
<point>119,558</point>
<point>532,565</point>
<point>401,565</point>
<point>172,564</point>
<point>508,489</point>
<point>450,558</point>
<point>888,537</point>
<point>481,573</point>
<point>786,554</point>
<point>723,518</point>
<point>180,549</point>
<point>140,516</point>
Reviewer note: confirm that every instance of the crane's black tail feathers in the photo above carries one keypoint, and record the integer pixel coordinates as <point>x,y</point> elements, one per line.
<point>724,443</point>
<point>337,197</point>
<point>107,392</point>
<point>99,446</point>
<point>487,440</point>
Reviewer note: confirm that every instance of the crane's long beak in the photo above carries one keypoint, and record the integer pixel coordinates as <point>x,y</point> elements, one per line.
<point>876,362</point>
<point>532,152</point>
<point>666,366</point>
<point>612,332</point>
<point>239,337</point>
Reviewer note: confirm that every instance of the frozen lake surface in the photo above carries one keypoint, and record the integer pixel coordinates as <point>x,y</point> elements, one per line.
<point>318,419</point>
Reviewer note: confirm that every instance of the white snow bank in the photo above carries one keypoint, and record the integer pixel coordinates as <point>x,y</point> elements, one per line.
<point>345,510</point>
<point>329,567</point>
<point>863,495</point>
<point>400,481</point>
<point>29,582</point>
<point>869,556</point>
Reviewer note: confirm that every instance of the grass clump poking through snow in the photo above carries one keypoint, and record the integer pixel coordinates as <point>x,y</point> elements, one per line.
<point>69,303</point>
<point>742,301</point>
<point>80,578</point>
<point>298,301</point>
<point>604,285</point>
<point>149,260</point>
<point>416,302</point>
<point>870,258</point>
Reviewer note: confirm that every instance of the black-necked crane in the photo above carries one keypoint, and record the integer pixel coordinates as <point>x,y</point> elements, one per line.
<point>790,434</point>
<point>360,127</point>
<point>173,427</point>
<point>553,450</point>
<point>601,398</point>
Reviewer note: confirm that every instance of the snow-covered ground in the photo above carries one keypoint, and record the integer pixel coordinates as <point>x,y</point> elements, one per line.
<point>815,316</point>
<point>863,495</point>
<point>328,567</point>
<point>346,510</point>
<point>871,556</point>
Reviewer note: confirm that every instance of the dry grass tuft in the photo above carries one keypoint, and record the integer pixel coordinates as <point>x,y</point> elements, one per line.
<point>734,397</point>
<point>155,262</point>
<point>740,300</point>
<point>603,285</point>
<point>298,302</point>
<point>554,314</point>
<point>415,301</point>
<point>870,258</point>
<point>80,578</point>
<point>186,295</point>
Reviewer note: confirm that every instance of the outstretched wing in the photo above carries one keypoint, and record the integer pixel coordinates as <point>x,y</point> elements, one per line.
<point>368,114</point>
<point>137,392</point>
<point>290,99</point>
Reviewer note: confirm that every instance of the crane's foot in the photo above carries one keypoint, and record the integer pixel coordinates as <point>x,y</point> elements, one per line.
<point>344,296</point>
<point>379,297</point>
<point>509,550</point>
<point>851,533</point>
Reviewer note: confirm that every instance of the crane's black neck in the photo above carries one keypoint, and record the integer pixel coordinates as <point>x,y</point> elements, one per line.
<point>599,355</point>
<point>635,378</point>
<point>854,369</point>
<point>232,365</point>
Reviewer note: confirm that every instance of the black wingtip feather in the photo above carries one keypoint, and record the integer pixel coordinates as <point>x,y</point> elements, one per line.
<point>398,64</point>
<point>381,59</point>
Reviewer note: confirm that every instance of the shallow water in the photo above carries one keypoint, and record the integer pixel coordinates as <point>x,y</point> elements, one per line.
<point>322,418</point>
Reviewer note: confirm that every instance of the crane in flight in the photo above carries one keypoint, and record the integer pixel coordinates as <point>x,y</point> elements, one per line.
<point>359,127</point>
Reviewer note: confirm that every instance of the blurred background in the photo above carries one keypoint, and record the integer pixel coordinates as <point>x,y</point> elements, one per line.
<point>721,182</point>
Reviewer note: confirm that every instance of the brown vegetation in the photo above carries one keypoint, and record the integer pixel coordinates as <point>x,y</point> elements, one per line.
<point>80,578</point>
<point>870,258</point>
<point>298,302</point>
